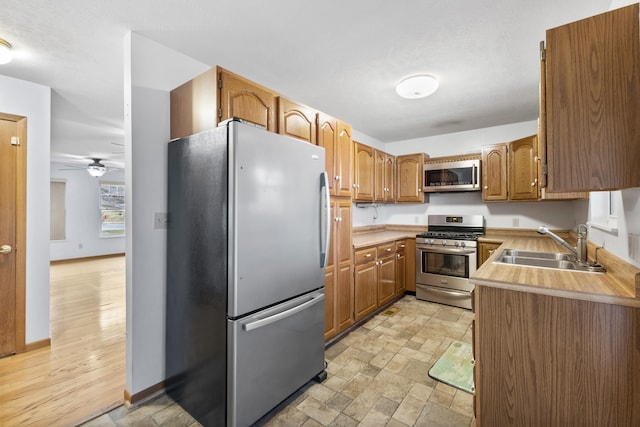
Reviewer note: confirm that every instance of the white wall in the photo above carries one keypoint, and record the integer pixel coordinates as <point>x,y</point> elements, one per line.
<point>34,102</point>
<point>151,71</point>
<point>83,215</point>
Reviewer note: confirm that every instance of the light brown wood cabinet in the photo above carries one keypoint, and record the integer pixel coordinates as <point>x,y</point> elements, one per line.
<point>389,178</point>
<point>409,178</point>
<point>296,120</point>
<point>410,269</point>
<point>365,282</point>
<point>485,250</point>
<point>590,114</point>
<point>387,267</point>
<point>401,267</point>
<point>244,99</point>
<point>494,172</point>
<point>523,169</point>
<point>363,172</point>
<point>335,137</point>
<point>543,360</point>
<point>339,272</point>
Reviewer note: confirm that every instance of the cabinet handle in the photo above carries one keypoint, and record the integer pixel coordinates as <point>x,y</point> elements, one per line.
<point>388,249</point>
<point>337,177</point>
<point>535,181</point>
<point>398,256</point>
<point>486,187</point>
<point>402,246</point>
<point>367,256</point>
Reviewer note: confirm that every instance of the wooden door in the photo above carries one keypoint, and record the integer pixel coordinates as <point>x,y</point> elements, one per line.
<point>592,108</point>
<point>386,280</point>
<point>330,323</point>
<point>296,120</point>
<point>343,233</point>
<point>485,250</point>
<point>246,100</point>
<point>379,186</point>
<point>389,177</point>
<point>344,159</point>
<point>401,267</point>
<point>494,172</point>
<point>327,137</point>
<point>523,169</point>
<point>365,292</point>
<point>409,178</point>
<point>344,296</point>
<point>12,232</point>
<point>363,173</point>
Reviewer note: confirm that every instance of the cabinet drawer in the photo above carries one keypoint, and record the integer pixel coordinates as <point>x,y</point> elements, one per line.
<point>363,256</point>
<point>401,246</point>
<point>387,249</point>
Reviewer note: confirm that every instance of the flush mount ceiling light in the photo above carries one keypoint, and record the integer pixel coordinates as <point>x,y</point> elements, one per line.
<point>5,52</point>
<point>417,86</point>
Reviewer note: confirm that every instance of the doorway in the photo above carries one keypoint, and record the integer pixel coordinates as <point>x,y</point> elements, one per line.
<point>12,233</point>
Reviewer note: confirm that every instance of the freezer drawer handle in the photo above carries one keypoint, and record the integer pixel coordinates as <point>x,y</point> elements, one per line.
<point>282,315</point>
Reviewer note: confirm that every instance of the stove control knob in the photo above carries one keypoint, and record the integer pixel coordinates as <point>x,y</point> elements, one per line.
<point>444,243</point>
<point>462,244</point>
<point>431,242</point>
<point>456,244</point>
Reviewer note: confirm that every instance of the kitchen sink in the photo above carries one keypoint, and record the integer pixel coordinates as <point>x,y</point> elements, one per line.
<point>559,261</point>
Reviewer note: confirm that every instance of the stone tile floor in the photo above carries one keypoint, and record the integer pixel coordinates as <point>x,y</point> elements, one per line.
<point>377,376</point>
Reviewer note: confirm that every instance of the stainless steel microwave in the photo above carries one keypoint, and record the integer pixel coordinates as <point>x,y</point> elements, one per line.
<point>461,175</point>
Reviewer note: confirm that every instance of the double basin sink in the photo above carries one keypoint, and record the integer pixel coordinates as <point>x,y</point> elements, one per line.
<point>559,261</point>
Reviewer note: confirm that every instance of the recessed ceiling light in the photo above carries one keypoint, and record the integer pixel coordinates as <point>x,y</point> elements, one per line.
<point>5,52</point>
<point>417,86</point>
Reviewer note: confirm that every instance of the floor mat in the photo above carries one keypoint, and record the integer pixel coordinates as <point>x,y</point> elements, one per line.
<point>455,367</point>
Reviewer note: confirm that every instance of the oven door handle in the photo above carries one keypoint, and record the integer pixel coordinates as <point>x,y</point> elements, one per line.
<point>445,292</point>
<point>448,251</point>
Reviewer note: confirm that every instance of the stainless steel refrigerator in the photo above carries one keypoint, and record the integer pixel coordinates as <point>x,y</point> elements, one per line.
<point>247,244</point>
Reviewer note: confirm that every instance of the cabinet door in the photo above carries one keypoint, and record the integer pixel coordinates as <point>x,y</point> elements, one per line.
<point>344,296</point>
<point>523,169</point>
<point>363,173</point>
<point>485,250</point>
<point>389,177</point>
<point>327,137</point>
<point>241,98</point>
<point>386,280</point>
<point>379,186</point>
<point>409,178</point>
<point>494,172</point>
<point>343,240</point>
<point>296,120</point>
<point>401,267</point>
<point>592,108</point>
<point>193,105</point>
<point>344,159</point>
<point>365,284</point>
<point>330,319</point>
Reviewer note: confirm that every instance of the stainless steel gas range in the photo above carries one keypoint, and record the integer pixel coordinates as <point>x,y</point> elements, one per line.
<point>446,256</point>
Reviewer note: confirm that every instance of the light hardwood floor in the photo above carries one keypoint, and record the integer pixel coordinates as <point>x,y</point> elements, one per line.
<point>83,372</point>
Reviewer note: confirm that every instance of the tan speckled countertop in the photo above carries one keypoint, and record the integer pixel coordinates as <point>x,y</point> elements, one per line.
<point>616,286</point>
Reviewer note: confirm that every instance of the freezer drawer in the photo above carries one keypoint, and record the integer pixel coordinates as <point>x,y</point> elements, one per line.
<point>272,354</point>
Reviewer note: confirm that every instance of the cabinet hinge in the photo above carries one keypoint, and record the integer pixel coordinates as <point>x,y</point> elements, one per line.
<point>219,83</point>
<point>543,51</point>
<point>219,113</point>
<point>543,168</point>
<point>15,140</point>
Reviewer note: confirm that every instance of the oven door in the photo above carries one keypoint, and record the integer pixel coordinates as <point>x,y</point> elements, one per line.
<point>445,267</point>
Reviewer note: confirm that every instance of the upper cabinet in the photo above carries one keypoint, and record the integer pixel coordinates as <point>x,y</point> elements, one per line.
<point>363,172</point>
<point>243,99</point>
<point>335,137</point>
<point>523,169</point>
<point>494,172</point>
<point>296,120</point>
<point>409,178</point>
<point>590,114</point>
<point>194,105</point>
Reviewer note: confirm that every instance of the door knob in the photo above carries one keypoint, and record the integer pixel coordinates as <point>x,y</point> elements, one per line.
<point>5,249</point>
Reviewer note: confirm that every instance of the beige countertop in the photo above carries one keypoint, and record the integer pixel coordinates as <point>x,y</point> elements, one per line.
<point>370,236</point>
<point>616,286</point>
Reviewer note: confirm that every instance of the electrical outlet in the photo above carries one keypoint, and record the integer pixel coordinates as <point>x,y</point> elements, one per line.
<point>515,222</point>
<point>160,220</point>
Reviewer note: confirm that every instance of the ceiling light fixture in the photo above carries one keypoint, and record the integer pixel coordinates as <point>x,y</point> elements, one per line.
<point>96,169</point>
<point>5,52</point>
<point>417,86</point>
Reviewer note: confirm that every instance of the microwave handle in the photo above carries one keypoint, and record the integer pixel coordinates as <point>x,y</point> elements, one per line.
<point>474,176</point>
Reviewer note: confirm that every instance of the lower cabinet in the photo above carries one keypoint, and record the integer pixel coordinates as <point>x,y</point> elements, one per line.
<point>401,267</point>
<point>485,250</point>
<point>365,282</point>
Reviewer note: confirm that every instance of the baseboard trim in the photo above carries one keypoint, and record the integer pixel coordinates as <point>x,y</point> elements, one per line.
<point>88,258</point>
<point>37,345</point>
<point>134,399</point>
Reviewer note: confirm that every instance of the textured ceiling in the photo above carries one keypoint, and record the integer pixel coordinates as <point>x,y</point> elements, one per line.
<point>340,57</point>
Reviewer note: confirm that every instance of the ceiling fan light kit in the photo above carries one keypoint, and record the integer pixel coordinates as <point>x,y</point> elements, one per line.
<point>96,169</point>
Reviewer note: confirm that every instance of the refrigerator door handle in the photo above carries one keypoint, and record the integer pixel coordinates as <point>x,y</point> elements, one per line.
<point>284,314</point>
<point>324,255</point>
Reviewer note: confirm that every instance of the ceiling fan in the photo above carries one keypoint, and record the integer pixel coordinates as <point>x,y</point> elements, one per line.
<point>95,168</point>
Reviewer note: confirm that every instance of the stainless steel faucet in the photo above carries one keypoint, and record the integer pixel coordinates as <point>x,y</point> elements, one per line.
<point>580,251</point>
